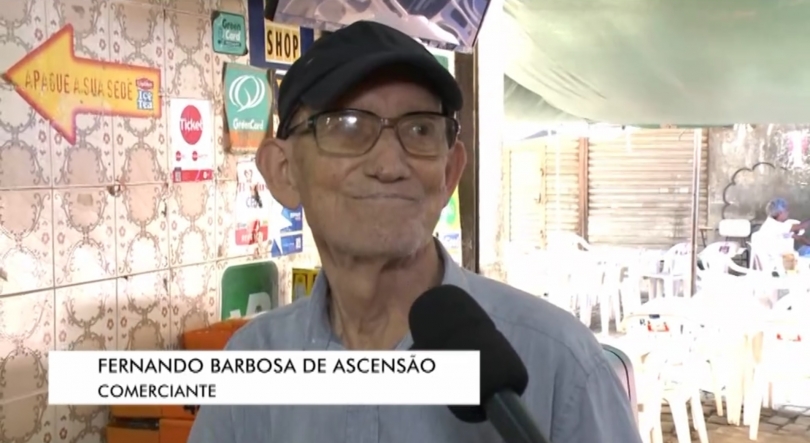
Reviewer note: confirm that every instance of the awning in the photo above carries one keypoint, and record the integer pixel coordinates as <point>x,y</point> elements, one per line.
<point>658,62</point>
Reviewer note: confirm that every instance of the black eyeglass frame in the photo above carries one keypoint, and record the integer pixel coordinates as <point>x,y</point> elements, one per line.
<point>310,126</point>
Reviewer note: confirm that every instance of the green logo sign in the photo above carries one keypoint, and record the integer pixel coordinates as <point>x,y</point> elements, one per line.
<point>450,212</point>
<point>248,100</point>
<point>229,33</point>
<point>443,60</point>
<point>248,289</point>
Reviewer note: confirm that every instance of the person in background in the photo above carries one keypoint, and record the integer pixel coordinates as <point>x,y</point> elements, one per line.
<point>368,144</point>
<point>778,234</point>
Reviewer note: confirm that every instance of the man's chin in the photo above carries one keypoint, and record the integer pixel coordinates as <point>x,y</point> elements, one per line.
<point>376,247</point>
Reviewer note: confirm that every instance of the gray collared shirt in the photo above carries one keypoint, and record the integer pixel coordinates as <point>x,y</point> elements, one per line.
<point>573,394</point>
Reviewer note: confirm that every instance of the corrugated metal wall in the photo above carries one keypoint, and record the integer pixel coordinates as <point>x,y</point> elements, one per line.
<point>562,185</point>
<point>640,187</point>
<point>525,171</point>
<point>543,188</point>
<point>638,190</point>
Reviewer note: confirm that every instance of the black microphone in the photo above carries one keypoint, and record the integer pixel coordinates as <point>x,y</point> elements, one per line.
<point>447,318</point>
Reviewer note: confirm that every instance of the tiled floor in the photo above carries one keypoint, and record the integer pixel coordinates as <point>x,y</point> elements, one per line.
<point>786,425</point>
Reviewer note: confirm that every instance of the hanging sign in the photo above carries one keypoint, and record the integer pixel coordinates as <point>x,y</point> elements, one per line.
<point>228,33</point>
<point>274,45</point>
<point>59,85</point>
<point>282,43</point>
<point>248,102</point>
<point>191,140</point>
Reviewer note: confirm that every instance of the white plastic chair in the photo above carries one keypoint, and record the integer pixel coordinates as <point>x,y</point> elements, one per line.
<point>672,339</point>
<point>786,336</point>
<point>651,393</point>
<point>764,256</point>
<point>567,283</point>
<point>734,228</point>
<point>766,253</point>
<point>565,240</point>
<point>718,256</point>
<point>639,264</point>
<point>674,272</point>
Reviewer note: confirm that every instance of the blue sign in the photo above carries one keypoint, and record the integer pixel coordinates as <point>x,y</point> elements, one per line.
<point>286,229</point>
<point>288,244</point>
<point>295,218</point>
<point>274,45</point>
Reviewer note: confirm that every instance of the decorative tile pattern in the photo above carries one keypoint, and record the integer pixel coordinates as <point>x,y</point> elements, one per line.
<point>98,250</point>
<point>142,243</point>
<point>197,7</point>
<point>85,244</point>
<point>24,132</point>
<point>225,161</point>
<point>90,161</point>
<point>193,299</point>
<point>140,143</point>
<point>191,223</point>
<point>86,316</point>
<point>26,337</point>
<point>143,312</point>
<point>28,420</point>
<point>188,55</point>
<point>26,240</point>
<point>225,222</point>
<point>235,6</point>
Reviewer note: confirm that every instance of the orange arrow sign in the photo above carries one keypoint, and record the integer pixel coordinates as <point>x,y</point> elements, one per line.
<point>59,85</point>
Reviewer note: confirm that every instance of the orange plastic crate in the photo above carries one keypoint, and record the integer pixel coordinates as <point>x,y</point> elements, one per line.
<point>177,412</point>
<point>175,431</point>
<point>136,411</point>
<point>122,434</point>
<point>212,338</point>
<point>232,324</point>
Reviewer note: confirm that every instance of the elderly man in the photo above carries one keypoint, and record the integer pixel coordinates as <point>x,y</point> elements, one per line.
<point>368,144</point>
<point>777,234</point>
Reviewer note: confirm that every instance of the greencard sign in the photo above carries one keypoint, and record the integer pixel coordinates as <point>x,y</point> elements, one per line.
<point>248,289</point>
<point>248,101</point>
<point>448,230</point>
<point>443,60</point>
<point>229,33</point>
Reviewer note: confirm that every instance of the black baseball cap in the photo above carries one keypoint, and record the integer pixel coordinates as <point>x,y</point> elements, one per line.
<point>339,61</point>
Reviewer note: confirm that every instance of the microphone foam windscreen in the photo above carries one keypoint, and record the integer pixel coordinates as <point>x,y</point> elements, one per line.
<point>446,318</point>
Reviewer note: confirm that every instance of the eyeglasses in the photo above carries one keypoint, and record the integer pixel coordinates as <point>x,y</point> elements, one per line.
<point>353,132</point>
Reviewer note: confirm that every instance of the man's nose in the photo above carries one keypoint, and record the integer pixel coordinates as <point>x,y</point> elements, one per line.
<point>387,161</point>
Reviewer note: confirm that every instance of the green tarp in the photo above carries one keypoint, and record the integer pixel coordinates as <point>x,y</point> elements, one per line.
<point>654,62</point>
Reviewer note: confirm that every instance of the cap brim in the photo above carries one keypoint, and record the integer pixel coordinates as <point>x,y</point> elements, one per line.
<point>427,71</point>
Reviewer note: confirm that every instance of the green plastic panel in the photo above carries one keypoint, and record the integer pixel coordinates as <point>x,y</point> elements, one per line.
<point>248,289</point>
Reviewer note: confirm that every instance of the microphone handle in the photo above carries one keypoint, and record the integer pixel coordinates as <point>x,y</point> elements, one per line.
<point>508,415</point>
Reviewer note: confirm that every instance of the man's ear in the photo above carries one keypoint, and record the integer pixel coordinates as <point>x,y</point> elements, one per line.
<point>456,162</point>
<point>277,168</point>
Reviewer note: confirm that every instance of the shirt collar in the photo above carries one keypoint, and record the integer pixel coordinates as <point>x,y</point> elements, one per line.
<point>319,331</point>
